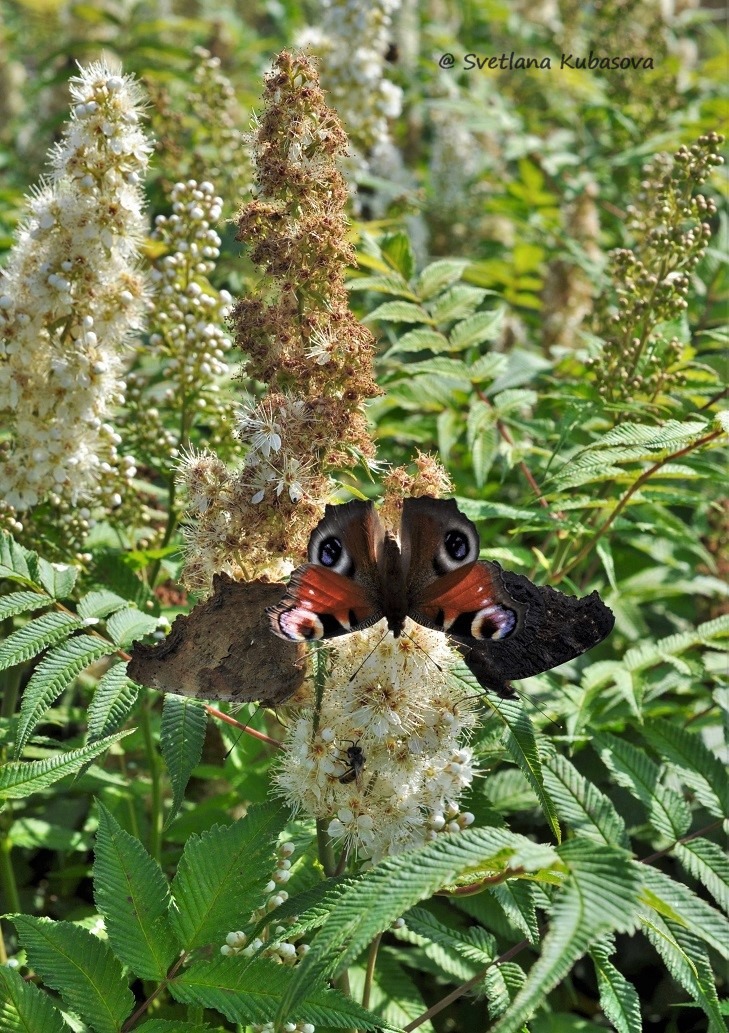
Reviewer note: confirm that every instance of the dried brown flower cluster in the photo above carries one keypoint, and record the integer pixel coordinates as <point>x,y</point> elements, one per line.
<point>430,478</point>
<point>651,281</point>
<point>300,340</point>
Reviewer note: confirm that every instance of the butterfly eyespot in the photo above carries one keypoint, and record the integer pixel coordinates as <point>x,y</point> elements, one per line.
<point>329,552</point>
<point>457,545</point>
<point>494,622</point>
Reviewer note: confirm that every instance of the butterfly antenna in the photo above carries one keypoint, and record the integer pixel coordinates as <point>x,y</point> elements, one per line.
<point>542,710</point>
<point>373,650</point>
<point>422,650</point>
<point>242,730</point>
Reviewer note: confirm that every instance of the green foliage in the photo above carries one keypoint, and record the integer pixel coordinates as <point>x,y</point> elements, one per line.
<point>80,966</point>
<point>221,864</point>
<point>547,288</point>
<point>23,1006</point>
<point>182,736</point>
<point>132,895</point>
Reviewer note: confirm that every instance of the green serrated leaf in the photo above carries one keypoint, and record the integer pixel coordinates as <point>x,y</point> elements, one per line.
<point>24,1008</point>
<point>222,875</point>
<point>484,369</point>
<point>21,602</point>
<point>367,906</point>
<point>127,625</point>
<point>449,429</point>
<point>686,960</point>
<point>475,944</point>
<point>518,901</point>
<point>250,993</point>
<point>618,997</point>
<point>581,805</point>
<point>419,340</point>
<point>100,604</point>
<point>682,904</point>
<point>389,284</point>
<point>114,698</point>
<point>708,863</point>
<point>439,275</point>
<point>399,312</point>
<point>668,812</point>
<point>483,454</point>
<point>81,967</point>
<point>457,302</point>
<point>182,737</point>
<point>54,674</point>
<point>133,897</point>
<point>482,510</point>
<point>480,415</point>
<point>16,562</point>
<point>521,744</point>
<point>663,436</point>
<point>476,329</point>
<point>22,778</point>
<point>35,636</point>
<point>599,896</point>
<point>513,400</point>
<point>694,763</point>
<point>398,252</point>
<point>58,579</point>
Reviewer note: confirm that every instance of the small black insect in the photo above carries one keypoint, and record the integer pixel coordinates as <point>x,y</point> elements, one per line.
<point>356,760</point>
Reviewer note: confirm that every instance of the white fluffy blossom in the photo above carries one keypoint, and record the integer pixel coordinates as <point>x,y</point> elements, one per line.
<point>69,298</point>
<point>351,42</point>
<point>384,762</point>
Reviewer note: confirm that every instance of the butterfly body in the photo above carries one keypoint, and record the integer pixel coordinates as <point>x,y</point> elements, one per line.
<point>505,626</point>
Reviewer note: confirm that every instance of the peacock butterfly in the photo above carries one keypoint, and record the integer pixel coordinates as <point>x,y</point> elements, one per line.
<point>505,626</point>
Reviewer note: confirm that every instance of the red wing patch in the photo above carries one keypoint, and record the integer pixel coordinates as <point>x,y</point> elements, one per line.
<point>320,603</point>
<point>466,602</point>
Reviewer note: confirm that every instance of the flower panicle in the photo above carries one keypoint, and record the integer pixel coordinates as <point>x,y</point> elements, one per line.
<point>650,282</point>
<point>70,297</point>
<point>299,338</point>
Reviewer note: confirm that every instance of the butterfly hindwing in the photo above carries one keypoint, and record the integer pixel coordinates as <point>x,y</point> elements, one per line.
<point>553,628</point>
<point>469,601</point>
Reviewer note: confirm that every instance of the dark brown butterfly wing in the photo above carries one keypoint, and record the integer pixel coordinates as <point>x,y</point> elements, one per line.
<point>224,649</point>
<point>339,590</point>
<point>552,629</point>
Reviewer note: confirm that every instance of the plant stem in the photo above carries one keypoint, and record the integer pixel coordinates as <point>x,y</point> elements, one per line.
<point>11,898</point>
<point>370,973</point>
<point>220,716</point>
<point>155,817</point>
<point>325,849</point>
<point>684,839</point>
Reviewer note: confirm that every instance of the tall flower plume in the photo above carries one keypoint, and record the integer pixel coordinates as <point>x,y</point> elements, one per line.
<point>70,296</point>
<point>301,341</point>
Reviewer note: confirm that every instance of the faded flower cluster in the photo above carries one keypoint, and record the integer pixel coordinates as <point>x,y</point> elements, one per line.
<point>671,225</point>
<point>70,296</point>
<point>383,758</point>
<point>300,339</point>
